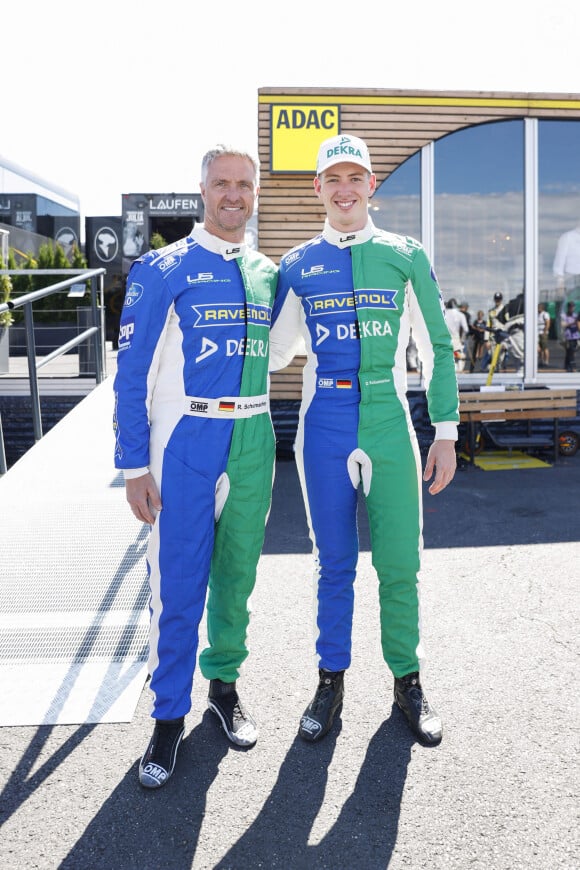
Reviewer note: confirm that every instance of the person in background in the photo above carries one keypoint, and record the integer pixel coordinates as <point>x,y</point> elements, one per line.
<point>493,325</point>
<point>468,344</point>
<point>566,266</point>
<point>459,329</point>
<point>511,321</point>
<point>543,333</point>
<point>194,439</point>
<point>351,295</point>
<point>479,331</point>
<point>570,320</point>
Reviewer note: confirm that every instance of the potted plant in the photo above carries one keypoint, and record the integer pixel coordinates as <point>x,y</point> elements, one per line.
<point>6,320</point>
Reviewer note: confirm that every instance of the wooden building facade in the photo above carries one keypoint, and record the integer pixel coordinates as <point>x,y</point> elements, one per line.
<point>395,124</point>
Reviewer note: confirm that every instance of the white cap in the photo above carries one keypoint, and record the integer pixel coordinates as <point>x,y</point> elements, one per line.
<point>343,149</point>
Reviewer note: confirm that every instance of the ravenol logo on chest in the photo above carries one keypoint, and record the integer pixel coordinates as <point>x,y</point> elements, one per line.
<point>330,303</point>
<point>335,303</point>
<point>224,314</point>
<point>376,299</point>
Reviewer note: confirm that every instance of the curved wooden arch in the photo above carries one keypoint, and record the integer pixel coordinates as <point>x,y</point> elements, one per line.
<point>395,125</point>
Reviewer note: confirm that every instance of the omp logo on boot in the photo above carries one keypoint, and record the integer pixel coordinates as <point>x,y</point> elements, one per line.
<point>310,725</point>
<point>156,772</point>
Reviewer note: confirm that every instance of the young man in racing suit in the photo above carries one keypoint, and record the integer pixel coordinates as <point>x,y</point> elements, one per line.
<point>352,294</point>
<point>195,440</point>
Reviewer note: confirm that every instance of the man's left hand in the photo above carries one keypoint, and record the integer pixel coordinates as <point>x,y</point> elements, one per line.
<point>443,461</point>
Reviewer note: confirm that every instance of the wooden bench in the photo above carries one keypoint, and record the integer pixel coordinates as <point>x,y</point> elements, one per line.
<point>505,405</point>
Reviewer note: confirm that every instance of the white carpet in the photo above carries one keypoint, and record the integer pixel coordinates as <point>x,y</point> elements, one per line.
<point>73,589</point>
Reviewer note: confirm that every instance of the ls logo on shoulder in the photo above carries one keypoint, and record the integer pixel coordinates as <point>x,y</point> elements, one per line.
<point>133,294</point>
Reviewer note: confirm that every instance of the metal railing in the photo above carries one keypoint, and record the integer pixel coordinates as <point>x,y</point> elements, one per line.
<point>95,332</point>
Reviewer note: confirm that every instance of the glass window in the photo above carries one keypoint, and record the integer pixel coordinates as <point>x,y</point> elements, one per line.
<point>49,207</point>
<point>396,205</point>
<point>479,240</point>
<point>559,241</point>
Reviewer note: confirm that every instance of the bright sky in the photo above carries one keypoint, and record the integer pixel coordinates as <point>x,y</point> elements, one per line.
<point>111,97</point>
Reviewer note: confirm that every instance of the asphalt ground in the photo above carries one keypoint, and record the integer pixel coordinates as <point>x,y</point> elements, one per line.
<point>500,624</point>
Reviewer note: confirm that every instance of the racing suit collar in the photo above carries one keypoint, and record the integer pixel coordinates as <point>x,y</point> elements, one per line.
<point>228,250</point>
<point>344,239</point>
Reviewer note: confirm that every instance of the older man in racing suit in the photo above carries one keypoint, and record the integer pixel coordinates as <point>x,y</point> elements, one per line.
<point>352,294</point>
<point>195,440</point>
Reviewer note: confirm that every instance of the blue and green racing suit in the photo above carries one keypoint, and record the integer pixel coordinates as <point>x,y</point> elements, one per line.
<point>350,301</point>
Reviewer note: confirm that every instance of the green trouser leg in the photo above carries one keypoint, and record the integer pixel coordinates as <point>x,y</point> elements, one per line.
<point>239,537</point>
<point>394,511</point>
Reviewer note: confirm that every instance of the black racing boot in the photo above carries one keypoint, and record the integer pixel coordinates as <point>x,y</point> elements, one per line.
<point>422,718</point>
<point>319,715</point>
<point>158,762</point>
<point>239,726</point>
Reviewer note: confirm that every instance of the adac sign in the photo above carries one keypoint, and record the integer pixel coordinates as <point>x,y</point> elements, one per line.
<point>296,133</point>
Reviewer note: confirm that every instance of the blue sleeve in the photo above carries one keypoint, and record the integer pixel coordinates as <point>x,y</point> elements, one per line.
<point>147,307</point>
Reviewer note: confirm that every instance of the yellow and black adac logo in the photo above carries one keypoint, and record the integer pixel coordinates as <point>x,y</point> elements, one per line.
<point>297,131</point>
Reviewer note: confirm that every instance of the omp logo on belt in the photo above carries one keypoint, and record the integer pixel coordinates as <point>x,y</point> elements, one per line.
<point>338,384</point>
<point>200,407</point>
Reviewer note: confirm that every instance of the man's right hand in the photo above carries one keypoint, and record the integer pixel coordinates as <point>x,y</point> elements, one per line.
<point>143,497</point>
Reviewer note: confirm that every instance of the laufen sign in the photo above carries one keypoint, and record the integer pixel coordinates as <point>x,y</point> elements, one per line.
<point>296,133</point>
